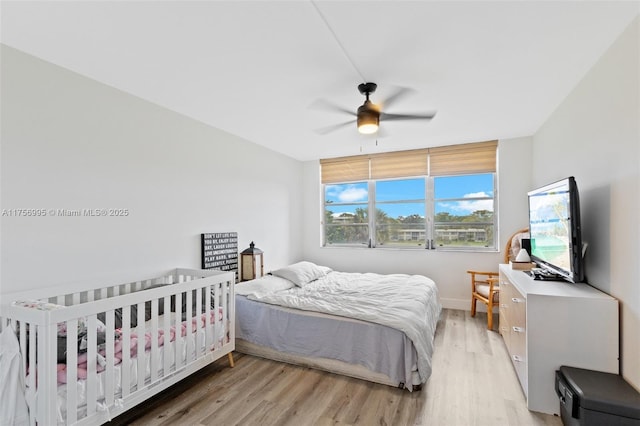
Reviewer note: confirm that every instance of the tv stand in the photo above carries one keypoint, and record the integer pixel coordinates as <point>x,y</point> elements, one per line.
<point>547,324</point>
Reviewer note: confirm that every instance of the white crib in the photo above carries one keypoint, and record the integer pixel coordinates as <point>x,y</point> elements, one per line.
<point>193,308</point>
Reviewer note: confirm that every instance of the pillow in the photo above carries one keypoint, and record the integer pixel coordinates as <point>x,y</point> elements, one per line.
<point>264,285</point>
<point>302,273</point>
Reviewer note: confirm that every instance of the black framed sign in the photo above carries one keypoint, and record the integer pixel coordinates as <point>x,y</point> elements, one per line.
<point>220,251</point>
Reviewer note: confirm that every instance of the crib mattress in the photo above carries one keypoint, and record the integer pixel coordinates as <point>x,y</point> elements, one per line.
<point>169,348</point>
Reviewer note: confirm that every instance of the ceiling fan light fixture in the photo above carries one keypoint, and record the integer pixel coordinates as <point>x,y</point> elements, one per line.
<point>367,129</point>
<point>368,118</point>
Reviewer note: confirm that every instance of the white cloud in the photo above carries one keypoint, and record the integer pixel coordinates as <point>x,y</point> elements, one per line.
<point>476,195</point>
<point>349,194</point>
<point>470,206</point>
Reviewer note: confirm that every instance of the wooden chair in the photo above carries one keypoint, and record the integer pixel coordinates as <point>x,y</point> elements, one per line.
<point>485,286</point>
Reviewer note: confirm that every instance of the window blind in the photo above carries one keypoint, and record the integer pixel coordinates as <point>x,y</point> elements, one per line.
<point>399,164</point>
<point>462,159</point>
<point>447,160</point>
<point>345,169</point>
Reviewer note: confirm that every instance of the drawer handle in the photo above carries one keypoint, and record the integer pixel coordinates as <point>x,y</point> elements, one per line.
<point>517,358</point>
<point>503,305</point>
<point>516,300</point>
<point>518,329</point>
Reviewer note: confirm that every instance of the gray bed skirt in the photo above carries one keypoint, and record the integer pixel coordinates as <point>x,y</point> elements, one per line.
<point>332,343</point>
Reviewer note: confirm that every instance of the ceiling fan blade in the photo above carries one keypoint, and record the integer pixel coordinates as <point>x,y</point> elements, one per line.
<point>334,127</point>
<point>325,105</point>
<point>399,93</point>
<point>392,117</point>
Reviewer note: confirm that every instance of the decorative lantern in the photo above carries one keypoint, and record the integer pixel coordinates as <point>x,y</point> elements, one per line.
<point>250,258</point>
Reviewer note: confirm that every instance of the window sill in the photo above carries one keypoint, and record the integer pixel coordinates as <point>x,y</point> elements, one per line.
<point>421,248</point>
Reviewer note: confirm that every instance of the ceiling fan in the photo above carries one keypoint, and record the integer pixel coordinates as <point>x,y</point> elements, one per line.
<point>369,115</point>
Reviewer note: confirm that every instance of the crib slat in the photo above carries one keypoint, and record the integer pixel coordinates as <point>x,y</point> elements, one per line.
<point>126,351</point>
<point>140,331</point>
<point>197,315</point>
<point>153,329</point>
<point>109,388</point>
<point>218,288</point>
<point>31,367</point>
<point>23,342</point>
<point>167,337</point>
<point>72,370</point>
<point>180,337</point>
<point>208,327</point>
<point>179,346</point>
<point>230,313</point>
<point>189,336</point>
<point>92,373</point>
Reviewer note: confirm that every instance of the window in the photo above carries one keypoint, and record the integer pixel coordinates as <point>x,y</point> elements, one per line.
<point>347,213</point>
<point>463,210</point>
<point>400,212</point>
<point>440,198</point>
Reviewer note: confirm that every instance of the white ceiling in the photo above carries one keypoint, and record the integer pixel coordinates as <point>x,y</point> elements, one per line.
<point>253,68</point>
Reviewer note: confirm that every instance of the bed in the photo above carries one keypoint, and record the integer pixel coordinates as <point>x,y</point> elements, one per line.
<point>370,326</point>
<point>88,355</point>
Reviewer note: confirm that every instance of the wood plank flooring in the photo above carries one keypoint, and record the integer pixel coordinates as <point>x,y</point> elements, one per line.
<point>473,383</point>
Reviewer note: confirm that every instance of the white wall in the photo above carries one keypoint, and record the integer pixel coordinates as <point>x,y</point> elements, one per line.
<point>447,269</point>
<point>595,136</point>
<point>69,142</point>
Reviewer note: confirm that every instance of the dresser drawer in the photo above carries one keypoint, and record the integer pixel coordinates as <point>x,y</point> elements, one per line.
<point>505,330</point>
<point>518,353</point>
<point>513,323</point>
<point>504,309</point>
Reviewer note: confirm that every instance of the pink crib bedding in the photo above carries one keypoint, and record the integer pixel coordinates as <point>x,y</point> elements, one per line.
<point>133,336</point>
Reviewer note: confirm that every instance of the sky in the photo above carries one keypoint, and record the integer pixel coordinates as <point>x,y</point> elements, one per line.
<point>465,189</point>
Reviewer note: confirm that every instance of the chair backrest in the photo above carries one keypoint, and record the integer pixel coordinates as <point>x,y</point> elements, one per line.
<point>514,244</point>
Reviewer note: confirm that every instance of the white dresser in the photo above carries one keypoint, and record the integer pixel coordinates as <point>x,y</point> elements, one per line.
<point>546,324</point>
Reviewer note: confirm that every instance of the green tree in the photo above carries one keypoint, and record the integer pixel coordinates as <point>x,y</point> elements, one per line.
<point>384,227</point>
<point>414,218</point>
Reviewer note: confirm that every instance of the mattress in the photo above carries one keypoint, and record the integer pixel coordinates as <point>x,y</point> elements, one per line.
<point>383,324</point>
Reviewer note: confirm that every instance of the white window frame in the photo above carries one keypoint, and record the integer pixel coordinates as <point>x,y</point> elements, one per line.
<point>428,163</point>
<point>429,214</point>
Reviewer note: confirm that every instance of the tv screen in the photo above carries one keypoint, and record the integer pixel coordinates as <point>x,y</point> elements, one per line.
<point>554,225</point>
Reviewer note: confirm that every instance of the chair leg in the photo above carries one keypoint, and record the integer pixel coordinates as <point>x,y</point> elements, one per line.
<point>473,306</point>
<point>490,314</point>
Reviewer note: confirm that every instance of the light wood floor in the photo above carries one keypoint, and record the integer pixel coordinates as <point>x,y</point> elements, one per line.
<point>472,383</point>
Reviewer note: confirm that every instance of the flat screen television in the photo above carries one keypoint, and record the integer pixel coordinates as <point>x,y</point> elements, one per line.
<point>554,225</point>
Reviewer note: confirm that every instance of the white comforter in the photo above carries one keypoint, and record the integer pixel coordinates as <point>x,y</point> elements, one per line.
<point>405,302</point>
